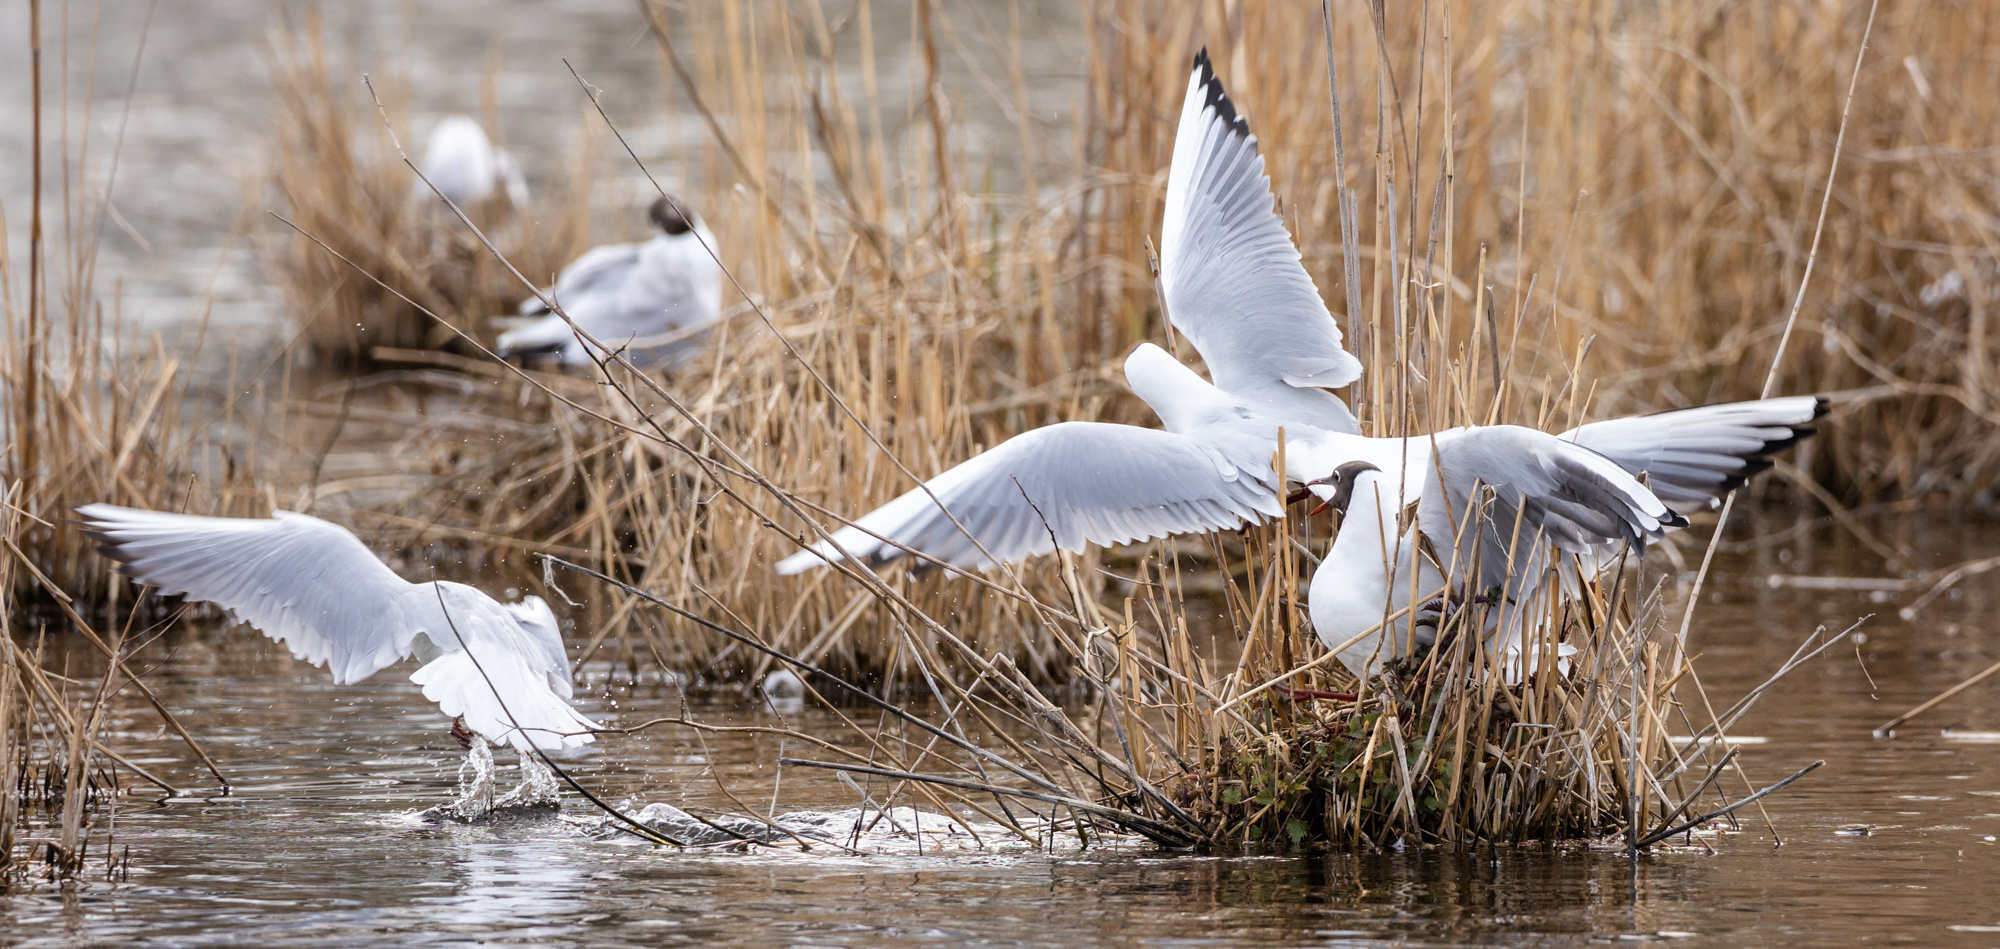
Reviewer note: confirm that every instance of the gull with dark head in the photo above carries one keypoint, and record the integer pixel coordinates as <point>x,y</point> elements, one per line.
<point>498,669</point>
<point>651,299</point>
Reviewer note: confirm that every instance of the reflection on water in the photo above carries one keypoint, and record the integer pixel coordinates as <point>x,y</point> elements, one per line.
<point>321,845</point>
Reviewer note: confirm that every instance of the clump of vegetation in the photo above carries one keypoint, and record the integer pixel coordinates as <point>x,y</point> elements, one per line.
<point>337,175</point>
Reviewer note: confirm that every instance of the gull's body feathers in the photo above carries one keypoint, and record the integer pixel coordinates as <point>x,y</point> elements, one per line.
<point>313,586</point>
<point>627,295</point>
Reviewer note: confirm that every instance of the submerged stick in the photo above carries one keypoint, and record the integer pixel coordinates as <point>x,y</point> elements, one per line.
<point>1651,839</point>
<point>1156,831</point>
<point>1888,729</point>
<point>849,687</point>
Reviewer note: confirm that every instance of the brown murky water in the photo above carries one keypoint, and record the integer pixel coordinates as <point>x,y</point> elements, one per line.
<point>320,845</point>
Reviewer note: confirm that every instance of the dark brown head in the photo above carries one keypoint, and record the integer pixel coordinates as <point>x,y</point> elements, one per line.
<point>1342,481</point>
<point>671,215</point>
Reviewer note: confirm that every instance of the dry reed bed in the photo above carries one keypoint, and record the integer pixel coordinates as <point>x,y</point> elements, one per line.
<point>911,325</point>
<point>946,318</point>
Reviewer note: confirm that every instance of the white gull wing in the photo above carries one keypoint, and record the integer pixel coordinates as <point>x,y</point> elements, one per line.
<point>1526,489</point>
<point>1231,275</point>
<point>302,581</point>
<point>630,295</point>
<point>1083,482</point>
<point>1693,457</point>
<point>592,284</point>
<point>313,586</point>
<point>676,286</point>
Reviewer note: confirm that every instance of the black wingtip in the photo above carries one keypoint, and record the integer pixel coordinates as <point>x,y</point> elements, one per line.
<point>1214,97</point>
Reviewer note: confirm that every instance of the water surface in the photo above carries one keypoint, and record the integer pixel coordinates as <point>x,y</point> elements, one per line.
<point>320,845</point>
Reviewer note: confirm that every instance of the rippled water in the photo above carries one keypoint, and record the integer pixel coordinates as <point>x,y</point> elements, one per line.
<point>320,844</point>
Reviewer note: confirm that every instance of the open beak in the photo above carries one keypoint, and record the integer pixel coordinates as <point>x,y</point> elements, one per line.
<point>1321,506</point>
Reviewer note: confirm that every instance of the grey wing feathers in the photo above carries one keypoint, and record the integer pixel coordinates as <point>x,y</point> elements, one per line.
<point>1082,482</point>
<point>1530,487</point>
<point>300,580</point>
<point>599,269</point>
<point>1231,275</point>
<point>1693,457</point>
<point>539,623</point>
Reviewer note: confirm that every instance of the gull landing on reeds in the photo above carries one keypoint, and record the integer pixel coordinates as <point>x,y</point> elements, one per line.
<point>498,669</point>
<point>467,167</point>
<point>651,299</point>
<point>1233,284</point>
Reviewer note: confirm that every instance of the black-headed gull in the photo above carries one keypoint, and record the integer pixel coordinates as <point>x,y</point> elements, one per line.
<point>1572,491</point>
<point>311,585</point>
<point>649,299</point>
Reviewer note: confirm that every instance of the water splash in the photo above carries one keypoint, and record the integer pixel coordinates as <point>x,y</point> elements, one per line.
<point>478,789</point>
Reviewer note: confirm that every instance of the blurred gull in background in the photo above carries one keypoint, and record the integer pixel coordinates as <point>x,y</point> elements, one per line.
<point>463,164</point>
<point>651,299</point>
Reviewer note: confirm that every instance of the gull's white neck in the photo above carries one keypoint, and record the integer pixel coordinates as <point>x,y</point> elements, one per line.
<point>1351,589</point>
<point>1182,399</point>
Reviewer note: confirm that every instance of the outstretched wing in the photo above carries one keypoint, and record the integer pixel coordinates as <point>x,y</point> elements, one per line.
<point>1060,486</point>
<point>1694,457</point>
<point>1231,274</point>
<point>1495,495</point>
<point>300,580</point>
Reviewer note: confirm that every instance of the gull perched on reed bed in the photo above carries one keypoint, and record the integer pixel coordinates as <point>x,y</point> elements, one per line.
<point>650,299</point>
<point>498,669</point>
<point>1491,501</point>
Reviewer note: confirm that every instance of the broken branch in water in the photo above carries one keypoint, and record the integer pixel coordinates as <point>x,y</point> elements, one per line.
<point>1158,832</point>
<point>1654,838</point>
<point>1888,728</point>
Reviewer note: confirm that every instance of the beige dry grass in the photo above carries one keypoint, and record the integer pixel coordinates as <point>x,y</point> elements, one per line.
<point>1562,212</point>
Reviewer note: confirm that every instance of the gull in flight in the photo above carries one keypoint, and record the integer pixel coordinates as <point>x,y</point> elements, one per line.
<point>651,298</point>
<point>497,668</point>
<point>1492,500</point>
<point>465,166</point>
<point>1233,284</point>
